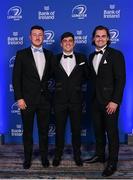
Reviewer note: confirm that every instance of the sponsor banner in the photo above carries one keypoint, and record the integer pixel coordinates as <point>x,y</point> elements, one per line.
<point>78,17</point>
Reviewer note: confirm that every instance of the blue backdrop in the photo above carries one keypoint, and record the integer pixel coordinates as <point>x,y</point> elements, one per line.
<point>79,17</point>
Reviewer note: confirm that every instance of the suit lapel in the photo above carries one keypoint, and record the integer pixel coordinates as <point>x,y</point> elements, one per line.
<point>46,63</point>
<point>91,63</point>
<point>104,57</point>
<point>31,58</point>
<point>77,62</point>
<point>59,63</point>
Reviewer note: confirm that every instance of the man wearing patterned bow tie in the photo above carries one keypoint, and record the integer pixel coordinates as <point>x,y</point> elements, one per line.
<point>30,81</point>
<point>70,71</point>
<point>107,71</point>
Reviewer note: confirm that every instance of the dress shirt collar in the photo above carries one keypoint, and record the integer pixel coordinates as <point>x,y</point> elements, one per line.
<point>102,49</point>
<point>67,54</point>
<point>34,47</point>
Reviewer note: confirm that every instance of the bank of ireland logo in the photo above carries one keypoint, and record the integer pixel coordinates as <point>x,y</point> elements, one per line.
<point>80,38</point>
<point>49,37</point>
<point>17,131</point>
<point>15,39</point>
<point>14,13</point>
<point>51,130</point>
<point>84,132</point>
<point>112,6</point>
<point>46,14</point>
<point>15,109</point>
<point>11,61</point>
<point>112,12</point>
<point>79,11</point>
<point>114,35</point>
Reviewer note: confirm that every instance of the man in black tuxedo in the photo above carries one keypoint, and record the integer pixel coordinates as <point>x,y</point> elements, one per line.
<point>70,71</point>
<point>30,81</point>
<point>107,72</point>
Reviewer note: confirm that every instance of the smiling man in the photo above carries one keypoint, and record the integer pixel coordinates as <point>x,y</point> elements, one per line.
<point>70,71</point>
<point>107,71</point>
<point>30,81</point>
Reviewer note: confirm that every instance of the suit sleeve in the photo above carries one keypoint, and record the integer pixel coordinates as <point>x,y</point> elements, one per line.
<point>17,77</point>
<point>119,77</point>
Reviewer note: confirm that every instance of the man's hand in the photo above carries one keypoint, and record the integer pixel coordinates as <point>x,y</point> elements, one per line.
<point>111,107</point>
<point>21,104</point>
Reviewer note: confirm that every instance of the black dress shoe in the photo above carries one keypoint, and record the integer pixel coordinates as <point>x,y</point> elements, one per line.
<point>56,161</point>
<point>95,159</point>
<point>27,164</point>
<point>109,170</point>
<point>78,161</point>
<point>45,162</point>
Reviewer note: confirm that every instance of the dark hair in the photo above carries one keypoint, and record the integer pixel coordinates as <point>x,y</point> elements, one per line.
<point>67,34</point>
<point>100,27</point>
<point>37,27</point>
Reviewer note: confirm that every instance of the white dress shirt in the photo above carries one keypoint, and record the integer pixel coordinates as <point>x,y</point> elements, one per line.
<point>68,63</point>
<point>40,60</point>
<point>97,59</point>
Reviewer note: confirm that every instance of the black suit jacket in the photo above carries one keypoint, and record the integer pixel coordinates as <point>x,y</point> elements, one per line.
<point>69,88</point>
<point>26,82</point>
<point>108,84</point>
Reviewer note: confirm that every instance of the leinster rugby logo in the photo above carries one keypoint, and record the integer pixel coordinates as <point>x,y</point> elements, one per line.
<point>114,34</point>
<point>51,85</point>
<point>79,11</point>
<point>11,62</point>
<point>14,13</point>
<point>15,109</point>
<point>49,37</point>
<point>51,130</point>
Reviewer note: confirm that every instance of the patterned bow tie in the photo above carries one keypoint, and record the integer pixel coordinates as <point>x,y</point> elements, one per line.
<point>38,50</point>
<point>66,56</point>
<point>98,52</point>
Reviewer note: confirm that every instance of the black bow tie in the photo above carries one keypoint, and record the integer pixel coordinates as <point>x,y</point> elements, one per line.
<point>66,56</point>
<point>97,52</point>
